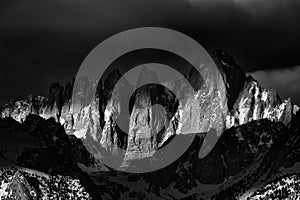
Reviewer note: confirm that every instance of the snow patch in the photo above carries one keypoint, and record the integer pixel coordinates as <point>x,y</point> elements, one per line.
<point>80,133</point>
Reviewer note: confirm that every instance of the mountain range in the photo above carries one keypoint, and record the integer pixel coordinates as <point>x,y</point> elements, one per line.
<point>245,139</point>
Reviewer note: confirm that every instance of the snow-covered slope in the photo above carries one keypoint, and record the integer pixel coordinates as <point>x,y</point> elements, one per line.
<point>282,188</point>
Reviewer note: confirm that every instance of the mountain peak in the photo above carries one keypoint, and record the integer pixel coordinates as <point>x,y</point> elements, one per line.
<point>233,75</point>
<point>226,59</point>
<point>146,76</point>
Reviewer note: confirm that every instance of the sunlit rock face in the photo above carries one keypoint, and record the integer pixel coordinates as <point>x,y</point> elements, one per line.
<point>82,116</point>
<point>256,103</point>
<point>221,98</point>
<point>152,106</point>
<point>247,100</point>
<point>19,109</point>
<point>55,105</point>
<point>202,110</point>
<point>115,120</point>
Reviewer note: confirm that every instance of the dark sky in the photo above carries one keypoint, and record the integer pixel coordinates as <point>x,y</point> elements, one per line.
<point>42,42</point>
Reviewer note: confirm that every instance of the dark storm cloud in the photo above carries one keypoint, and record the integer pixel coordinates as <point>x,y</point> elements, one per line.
<point>54,36</point>
<point>259,33</point>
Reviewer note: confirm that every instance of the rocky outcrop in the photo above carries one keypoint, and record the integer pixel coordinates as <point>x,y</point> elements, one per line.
<point>18,110</point>
<point>19,188</point>
<point>26,184</point>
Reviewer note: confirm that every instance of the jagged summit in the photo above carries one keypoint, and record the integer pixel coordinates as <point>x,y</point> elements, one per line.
<point>146,76</point>
<point>226,59</point>
<point>233,75</point>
